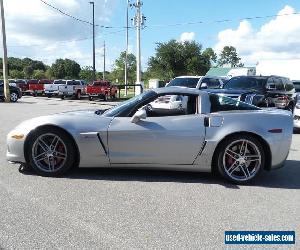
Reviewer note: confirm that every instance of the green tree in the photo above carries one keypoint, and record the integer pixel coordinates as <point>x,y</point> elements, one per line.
<point>65,68</point>
<point>39,74</point>
<point>86,73</point>
<point>210,54</point>
<point>28,71</point>
<point>174,58</point>
<point>230,56</point>
<point>16,74</point>
<point>118,71</point>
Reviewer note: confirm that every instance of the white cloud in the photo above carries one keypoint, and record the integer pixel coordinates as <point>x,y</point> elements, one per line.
<point>187,37</point>
<point>35,30</point>
<point>275,40</point>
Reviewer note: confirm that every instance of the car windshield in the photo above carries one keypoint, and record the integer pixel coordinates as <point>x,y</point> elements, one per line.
<point>190,82</point>
<point>248,83</point>
<point>131,103</point>
<point>59,82</point>
<point>297,86</point>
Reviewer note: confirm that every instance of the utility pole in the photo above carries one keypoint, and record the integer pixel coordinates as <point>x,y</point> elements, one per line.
<point>138,41</point>
<point>94,69</point>
<point>5,69</point>
<point>104,61</point>
<point>139,22</point>
<point>126,52</point>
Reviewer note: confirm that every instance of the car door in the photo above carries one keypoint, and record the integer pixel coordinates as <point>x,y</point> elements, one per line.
<point>156,140</point>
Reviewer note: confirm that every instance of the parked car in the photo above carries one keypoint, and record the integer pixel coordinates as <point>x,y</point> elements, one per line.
<point>72,88</point>
<point>297,115</point>
<point>34,88</point>
<point>51,89</point>
<point>261,91</point>
<point>22,84</point>
<point>102,90</point>
<point>15,92</point>
<point>198,82</point>
<point>232,143</point>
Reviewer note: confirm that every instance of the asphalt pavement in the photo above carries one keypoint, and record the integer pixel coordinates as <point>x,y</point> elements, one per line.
<point>136,209</point>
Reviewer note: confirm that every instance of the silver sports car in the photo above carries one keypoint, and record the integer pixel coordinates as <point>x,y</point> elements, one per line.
<point>212,133</point>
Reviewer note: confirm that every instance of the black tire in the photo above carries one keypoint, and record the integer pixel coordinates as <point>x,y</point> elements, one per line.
<point>34,94</point>
<point>14,97</point>
<point>78,95</point>
<point>62,97</point>
<point>49,95</point>
<point>103,96</point>
<point>90,98</point>
<point>240,172</point>
<point>38,166</point>
<point>290,107</point>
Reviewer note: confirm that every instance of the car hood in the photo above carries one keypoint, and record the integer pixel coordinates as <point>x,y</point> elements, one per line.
<point>73,121</point>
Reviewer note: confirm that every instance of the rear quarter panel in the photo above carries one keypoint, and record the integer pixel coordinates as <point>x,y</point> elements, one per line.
<point>256,122</point>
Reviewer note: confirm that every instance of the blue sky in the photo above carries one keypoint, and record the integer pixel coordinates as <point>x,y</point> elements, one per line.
<point>44,34</point>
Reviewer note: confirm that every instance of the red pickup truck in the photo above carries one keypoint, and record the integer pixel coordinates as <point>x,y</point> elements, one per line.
<point>101,89</point>
<point>36,87</point>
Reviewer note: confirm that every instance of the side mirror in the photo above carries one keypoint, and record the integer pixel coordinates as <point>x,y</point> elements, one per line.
<point>204,85</point>
<point>140,114</point>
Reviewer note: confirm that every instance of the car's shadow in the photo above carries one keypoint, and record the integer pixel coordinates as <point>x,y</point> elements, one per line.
<point>284,178</point>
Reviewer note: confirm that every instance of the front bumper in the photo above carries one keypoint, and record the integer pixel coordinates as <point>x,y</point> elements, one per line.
<point>15,150</point>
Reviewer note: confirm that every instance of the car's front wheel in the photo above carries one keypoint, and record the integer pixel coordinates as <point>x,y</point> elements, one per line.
<point>14,97</point>
<point>50,152</point>
<point>240,158</point>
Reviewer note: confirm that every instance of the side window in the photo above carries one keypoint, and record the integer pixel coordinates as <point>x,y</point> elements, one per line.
<point>289,86</point>
<point>279,84</point>
<point>222,103</point>
<point>271,84</point>
<point>172,105</point>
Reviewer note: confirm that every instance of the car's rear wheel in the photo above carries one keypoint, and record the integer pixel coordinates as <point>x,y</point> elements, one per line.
<point>78,95</point>
<point>241,158</point>
<point>90,98</point>
<point>290,107</point>
<point>51,152</point>
<point>14,97</point>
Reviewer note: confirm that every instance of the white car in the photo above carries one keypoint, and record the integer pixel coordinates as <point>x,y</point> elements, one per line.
<point>73,88</point>
<point>297,114</point>
<point>179,103</point>
<point>169,102</point>
<point>53,89</point>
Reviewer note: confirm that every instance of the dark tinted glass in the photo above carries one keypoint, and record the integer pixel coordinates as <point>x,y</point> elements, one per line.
<point>245,83</point>
<point>297,86</point>
<point>279,84</point>
<point>289,85</point>
<point>212,83</point>
<point>184,82</point>
<point>223,103</point>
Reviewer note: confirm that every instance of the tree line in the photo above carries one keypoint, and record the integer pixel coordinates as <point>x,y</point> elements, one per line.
<point>171,59</point>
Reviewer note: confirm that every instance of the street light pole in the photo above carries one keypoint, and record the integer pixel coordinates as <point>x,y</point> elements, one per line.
<point>138,41</point>
<point>104,61</point>
<point>5,69</point>
<point>126,52</point>
<point>94,68</point>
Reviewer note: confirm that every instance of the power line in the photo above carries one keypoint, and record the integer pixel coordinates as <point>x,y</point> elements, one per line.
<point>220,21</point>
<point>66,14</point>
<point>81,20</point>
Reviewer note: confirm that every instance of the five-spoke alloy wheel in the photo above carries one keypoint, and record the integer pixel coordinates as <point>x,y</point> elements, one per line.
<point>241,158</point>
<point>51,152</point>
